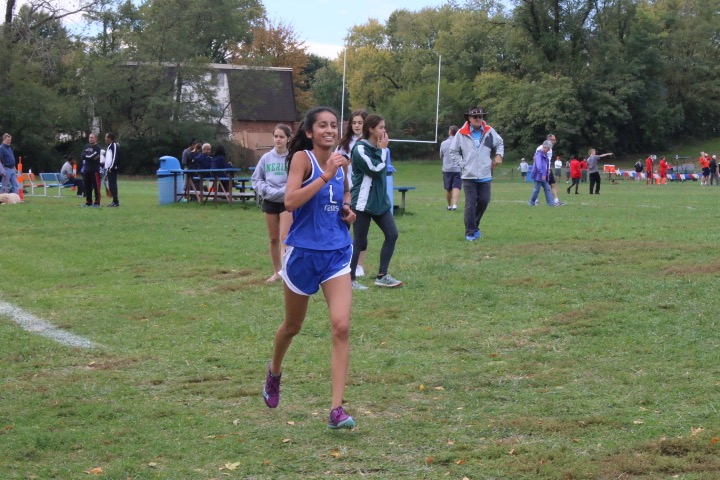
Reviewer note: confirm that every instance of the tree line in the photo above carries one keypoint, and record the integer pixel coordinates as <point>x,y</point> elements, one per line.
<point>621,75</point>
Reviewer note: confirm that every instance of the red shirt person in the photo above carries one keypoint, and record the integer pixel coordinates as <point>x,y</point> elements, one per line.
<point>663,171</point>
<point>648,169</point>
<point>575,174</point>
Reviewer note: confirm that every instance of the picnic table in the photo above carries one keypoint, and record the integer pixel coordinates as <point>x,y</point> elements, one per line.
<point>203,184</point>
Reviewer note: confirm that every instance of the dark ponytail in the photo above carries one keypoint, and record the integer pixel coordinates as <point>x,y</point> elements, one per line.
<point>300,140</point>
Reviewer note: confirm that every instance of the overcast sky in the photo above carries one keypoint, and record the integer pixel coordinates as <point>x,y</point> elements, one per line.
<point>323,24</point>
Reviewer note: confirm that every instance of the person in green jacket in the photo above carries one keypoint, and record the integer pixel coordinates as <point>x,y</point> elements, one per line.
<point>370,200</point>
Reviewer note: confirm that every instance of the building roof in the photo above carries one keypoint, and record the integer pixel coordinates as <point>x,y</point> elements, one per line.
<point>260,93</point>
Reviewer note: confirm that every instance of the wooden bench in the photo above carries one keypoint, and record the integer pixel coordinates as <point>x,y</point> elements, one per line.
<point>403,190</point>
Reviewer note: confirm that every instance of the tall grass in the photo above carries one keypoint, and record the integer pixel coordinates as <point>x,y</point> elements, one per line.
<point>578,342</point>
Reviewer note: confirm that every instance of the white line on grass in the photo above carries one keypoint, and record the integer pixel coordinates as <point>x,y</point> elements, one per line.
<point>33,324</point>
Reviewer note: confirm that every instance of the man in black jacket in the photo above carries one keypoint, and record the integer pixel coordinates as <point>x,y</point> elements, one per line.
<point>91,171</point>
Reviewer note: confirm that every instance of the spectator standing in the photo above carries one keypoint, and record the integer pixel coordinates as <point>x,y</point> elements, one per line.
<point>524,168</point>
<point>663,171</point>
<point>583,169</point>
<point>714,170</point>
<point>649,170</point>
<point>593,171</point>
<point>476,149</point>
<point>638,170</point>
<point>540,172</point>
<point>112,157</point>
<point>704,161</point>
<point>370,201</point>
<point>91,171</point>
<point>558,168</point>
<point>10,182</point>
<point>269,181</point>
<point>188,154</point>
<point>69,177</point>
<point>575,175</point>
<point>451,173</point>
<point>567,171</point>
<point>352,134</point>
<point>319,251</point>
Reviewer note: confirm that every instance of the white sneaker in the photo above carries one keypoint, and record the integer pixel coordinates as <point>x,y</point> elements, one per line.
<point>358,286</point>
<point>359,271</point>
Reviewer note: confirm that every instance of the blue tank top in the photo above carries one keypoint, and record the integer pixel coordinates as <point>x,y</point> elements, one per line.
<point>317,224</point>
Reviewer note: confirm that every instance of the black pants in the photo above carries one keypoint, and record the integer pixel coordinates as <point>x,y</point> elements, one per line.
<point>386,222</point>
<point>595,182</point>
<point>79,184</point>
<point>92,183</point>
<point>477,198</point>
<point>112,185</point>
<point>575,183</point>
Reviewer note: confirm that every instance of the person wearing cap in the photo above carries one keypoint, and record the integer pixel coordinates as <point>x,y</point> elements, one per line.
<point>539,174</point>
<point>476,149</point>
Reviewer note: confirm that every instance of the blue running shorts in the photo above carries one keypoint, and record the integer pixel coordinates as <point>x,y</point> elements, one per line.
<point>304,270</point>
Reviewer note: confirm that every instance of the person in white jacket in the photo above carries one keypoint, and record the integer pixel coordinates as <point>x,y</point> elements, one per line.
<point>268,181</point>
<point>110,164</point>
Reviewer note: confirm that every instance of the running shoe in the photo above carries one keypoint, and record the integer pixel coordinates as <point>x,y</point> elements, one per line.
<point>340,419</point>
<point>271,392</point>
<point>358,286</point>
<point>470,238</point>
<point>387,281</point>
<point>478,235</point>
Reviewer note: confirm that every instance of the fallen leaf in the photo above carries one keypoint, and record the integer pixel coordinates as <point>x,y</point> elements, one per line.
<point>94,471</point>
<point>576,440</point>
<point>231,466</point>
<point>638,422</point>
<point>714,440</point>
<point>236,422</point>
<point>291,422</point>
<point>421,387</point>
<point>266,462</point>
<point>286,440</point>
<point>695,431</point>
<point>450,442</point>
<point>152,464</point>
<point>466,478</point>
<point>460,462</point>
<point>439,389</point>
<point>511,452</point>
<point>335,453</point>
<point>429,460</point>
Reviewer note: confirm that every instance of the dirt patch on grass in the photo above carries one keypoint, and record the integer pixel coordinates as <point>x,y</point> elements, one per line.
<point>531,425</point>
<point>691,269</point>
<point>112,364</point>
<point>666,457</point>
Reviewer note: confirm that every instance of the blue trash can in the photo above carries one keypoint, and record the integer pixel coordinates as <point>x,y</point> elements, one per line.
<point>390,183</point>
<point>169,185</point>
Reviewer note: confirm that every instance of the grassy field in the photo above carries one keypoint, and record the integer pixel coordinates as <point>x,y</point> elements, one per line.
<point>569,343</point>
